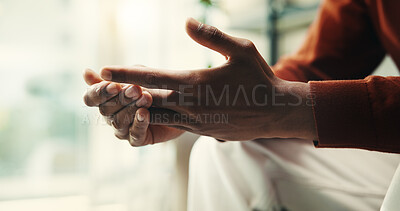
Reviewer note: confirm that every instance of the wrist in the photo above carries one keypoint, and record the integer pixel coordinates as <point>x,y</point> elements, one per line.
<point>297,117</point>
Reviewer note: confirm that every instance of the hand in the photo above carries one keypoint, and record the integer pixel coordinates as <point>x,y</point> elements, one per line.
<point>244,92</point>
<point>120,105</point>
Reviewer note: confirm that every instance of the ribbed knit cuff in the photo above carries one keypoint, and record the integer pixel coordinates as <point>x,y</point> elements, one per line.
<point>343,114</point>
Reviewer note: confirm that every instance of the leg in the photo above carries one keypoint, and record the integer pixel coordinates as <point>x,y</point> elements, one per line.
<point>269,174</point>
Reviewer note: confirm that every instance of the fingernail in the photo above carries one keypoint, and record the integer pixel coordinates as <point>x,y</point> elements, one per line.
<point>140,117</point>
<point>141,102</point>
<point>112,88</point>
<point>132,92</point>
<point>106,75</point>
<point>193,23</point>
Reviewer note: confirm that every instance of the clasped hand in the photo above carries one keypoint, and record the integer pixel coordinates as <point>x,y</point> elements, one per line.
<point>239,100</point>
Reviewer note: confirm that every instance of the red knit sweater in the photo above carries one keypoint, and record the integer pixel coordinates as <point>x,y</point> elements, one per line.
<point>347,41</point>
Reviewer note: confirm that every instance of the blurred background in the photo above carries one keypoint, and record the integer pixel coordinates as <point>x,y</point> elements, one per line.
<point>57,154</point>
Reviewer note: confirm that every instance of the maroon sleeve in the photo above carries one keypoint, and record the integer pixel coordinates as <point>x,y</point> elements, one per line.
<point>342,48</point>
<point>340,44</point>
<point>358,113</point>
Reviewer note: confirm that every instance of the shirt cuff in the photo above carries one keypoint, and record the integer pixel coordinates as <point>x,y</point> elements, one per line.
<point>343,114</point>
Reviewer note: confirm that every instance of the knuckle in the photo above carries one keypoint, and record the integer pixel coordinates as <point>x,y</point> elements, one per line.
<point>139,127</point>
<point>119,136</point>
<point>213,33</point>
<point>133,142</point>
<point>149,101</point>
<point>104,110</point>
<point>87,100</point>
<point>248,45</point>
<point>108,119</point>
<point>131,109</point>
<point>136,141</point>
<point>151,78</point>
<point>119,100</point>
<point>117,123</point>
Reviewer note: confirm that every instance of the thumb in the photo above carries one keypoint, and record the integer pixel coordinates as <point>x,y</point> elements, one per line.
<point>212,38</point>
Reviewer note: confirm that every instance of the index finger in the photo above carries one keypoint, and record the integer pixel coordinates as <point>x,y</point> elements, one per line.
<point>150,77</point>
<point>91,77</point>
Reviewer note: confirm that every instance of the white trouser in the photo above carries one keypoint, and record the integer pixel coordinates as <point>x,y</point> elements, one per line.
<point>286,175</point>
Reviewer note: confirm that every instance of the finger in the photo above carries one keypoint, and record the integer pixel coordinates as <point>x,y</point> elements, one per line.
<point>100,93</point>
<point>91,77</point>
<point>108,120</point>
<point>128,95</point>
<point>126,116</point>
<point>159,133</point>
<point>145,100</point>
<point>150,77</point>
<point>138,133</point>
<point>213,38</point>
<point>122,134</point>
<point>163,98</point>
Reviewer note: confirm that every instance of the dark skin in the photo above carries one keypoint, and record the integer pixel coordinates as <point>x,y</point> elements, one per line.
<point>256,102</point>
<point>128,115</point>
